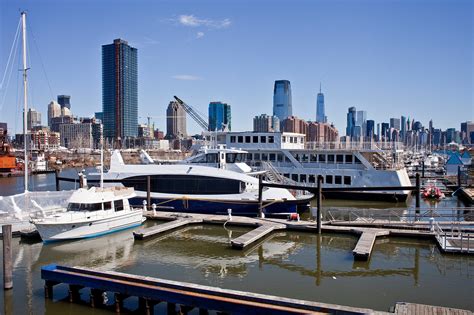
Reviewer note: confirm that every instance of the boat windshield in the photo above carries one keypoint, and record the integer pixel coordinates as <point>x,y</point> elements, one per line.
<point>84,207</point>
<point>234,157</point>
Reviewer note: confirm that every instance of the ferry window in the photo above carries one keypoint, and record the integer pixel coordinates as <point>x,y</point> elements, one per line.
<point>118,204</point>
<point>347,180</point>
<point>272,157</point>
<point>256,156</point>
<point>294,177</point>
<point>330,158</point>
<point>263,139</point>
<point>280,157</point>
<point>255,139</point>
<point>283,139</point>
<point>271,139</point>
<point>312,179</point>
<point>349,158</point>
<point>108,205</point>
<point>264,156</point>
<point>305,158</point>
<point>329,179</point>
<point>247,139</point>
<point>303,178</point>
<point>297,157</point>
<point>232,139</point>
<point>249,156</point>
<point>287,159</point>
<point>186,184</point>
<point>240,139</point>
<point>340,158</point>
<point>356,160</point>
<point>313,157</point>
<point>322,158</point>
<point>286,175</point>
<point>301,140</point>
<point>338,179</point>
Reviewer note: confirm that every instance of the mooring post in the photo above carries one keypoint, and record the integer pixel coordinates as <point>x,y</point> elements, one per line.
<point>146,306</point>
<point>459,176</point>
<point>96,299</point>
<point>260,196</point>
<point>318,203</point>
<point>48,289</point>
<point>56,172</point>
<point>423,169</point>
<point>118,302</point>
<point>148,191</point>
<point>417,192</point>
<point>7,257</point>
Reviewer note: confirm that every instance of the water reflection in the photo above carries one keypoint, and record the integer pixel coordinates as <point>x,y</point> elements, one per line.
<point>301,265</point>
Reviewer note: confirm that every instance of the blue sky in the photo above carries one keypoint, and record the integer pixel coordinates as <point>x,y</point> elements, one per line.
<point>386,57</point>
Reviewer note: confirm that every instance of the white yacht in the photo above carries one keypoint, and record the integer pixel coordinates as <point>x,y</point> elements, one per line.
<point>199,189</point>
<point>290,156</point>
<point>91,212</point>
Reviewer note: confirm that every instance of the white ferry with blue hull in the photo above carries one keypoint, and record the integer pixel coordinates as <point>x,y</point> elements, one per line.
<point>199,189</point>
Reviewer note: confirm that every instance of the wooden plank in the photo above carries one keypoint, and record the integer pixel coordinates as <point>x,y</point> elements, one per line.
<point>189,294</point>
<point>402,308</point>
<point>252,236</point>
<point>163,228</point>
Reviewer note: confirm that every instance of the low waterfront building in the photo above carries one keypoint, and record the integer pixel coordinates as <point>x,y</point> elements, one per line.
<point>80,135</point>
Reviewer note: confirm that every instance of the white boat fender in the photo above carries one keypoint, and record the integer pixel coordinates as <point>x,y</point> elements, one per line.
<point>229,213</point>
<point>153,206</point>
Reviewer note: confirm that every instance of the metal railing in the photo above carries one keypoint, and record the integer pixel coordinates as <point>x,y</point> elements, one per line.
<point>464,242</point>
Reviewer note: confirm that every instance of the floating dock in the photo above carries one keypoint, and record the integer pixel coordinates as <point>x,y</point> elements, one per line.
<point>366,243</point>
<point>188,296</point>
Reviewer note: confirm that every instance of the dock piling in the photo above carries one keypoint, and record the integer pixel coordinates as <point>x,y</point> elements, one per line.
<point>260,196</point>
<point>148,191</point>
<point>48,289</point>
<point>417,192</point>
<point>318,200</point>
<point>146,306</point>
<point>56,177</point>
<point>96,299</point>
<point>7,257</point>
<point>74,295</point>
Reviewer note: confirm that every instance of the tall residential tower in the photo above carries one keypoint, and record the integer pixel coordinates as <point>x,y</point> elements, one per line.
<point>119,90</point>
<point>282,107</point>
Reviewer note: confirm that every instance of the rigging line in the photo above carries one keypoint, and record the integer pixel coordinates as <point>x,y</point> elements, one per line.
<point>13,49</point>
<point>11,52</point>
<point>41,59</point>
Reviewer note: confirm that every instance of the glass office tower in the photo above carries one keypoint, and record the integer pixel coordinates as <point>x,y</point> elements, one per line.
<point>119,90</point>
<point>320,110</point>
<point>219,116</point>
<point>282,107</point>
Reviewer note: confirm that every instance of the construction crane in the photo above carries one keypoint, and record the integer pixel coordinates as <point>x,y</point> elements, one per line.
<point>194,115</point>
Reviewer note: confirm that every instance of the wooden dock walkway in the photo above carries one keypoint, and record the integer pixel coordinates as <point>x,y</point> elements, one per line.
<point>256,234</point>
<point>187,296</point>
<point>402,308</point>
<point>366,242</point>
<point>163,228</point>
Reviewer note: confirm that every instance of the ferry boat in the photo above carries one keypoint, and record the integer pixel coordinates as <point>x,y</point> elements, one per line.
<point>199,189</point>
<point>341,166</point>
<point>90,213</point>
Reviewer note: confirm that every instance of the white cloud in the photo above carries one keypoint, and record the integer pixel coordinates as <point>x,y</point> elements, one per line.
<point>193,21</point>
<point>199,35</point>
<point>186,77</point>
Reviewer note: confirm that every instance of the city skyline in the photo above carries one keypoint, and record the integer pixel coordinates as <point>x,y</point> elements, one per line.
<point>405,70</point>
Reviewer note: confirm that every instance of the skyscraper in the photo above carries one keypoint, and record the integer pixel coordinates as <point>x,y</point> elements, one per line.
<point>385,135</point>
<point>320,110</point>
<point>361,122</point>
<point>119,90</point>
<point>282,106</point>
<point>64,101</point>
<point>219,116</point>
<point>33,118</point>
<point>403,128</point>
<point>175,121</point>
<point>395,123</point>
<point>351,119</point>
<point>370,129</point>
<point>54,110</point>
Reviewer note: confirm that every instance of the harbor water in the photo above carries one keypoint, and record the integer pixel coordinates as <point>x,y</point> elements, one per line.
<point>291,264</point>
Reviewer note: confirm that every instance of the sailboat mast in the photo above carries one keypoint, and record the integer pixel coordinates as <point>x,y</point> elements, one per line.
<point>25,100</point>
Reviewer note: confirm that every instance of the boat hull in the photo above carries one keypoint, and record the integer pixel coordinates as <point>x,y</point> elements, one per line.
<point>239,207</point>
<point>54,231</point>
<point>366,196</point>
